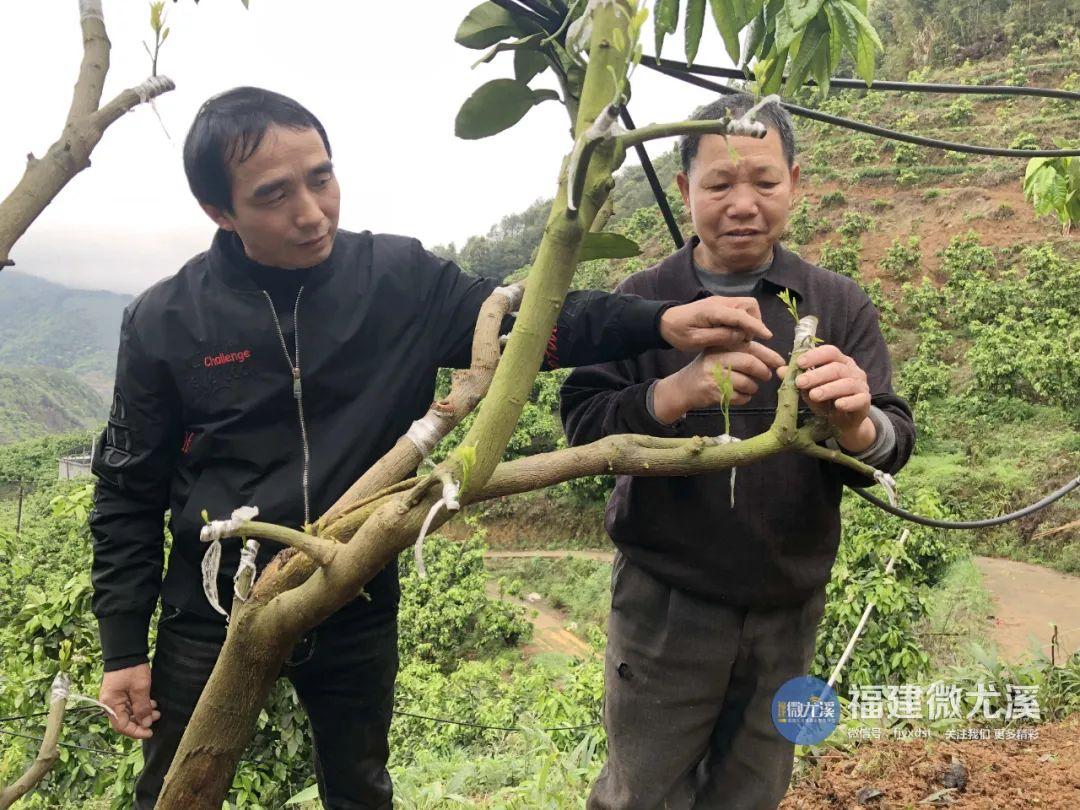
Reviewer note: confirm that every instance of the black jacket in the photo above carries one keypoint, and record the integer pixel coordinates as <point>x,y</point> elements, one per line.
<point>778,544</point>
<point>204,414</point>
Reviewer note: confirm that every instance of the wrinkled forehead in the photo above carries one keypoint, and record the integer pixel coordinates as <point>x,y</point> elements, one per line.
<point>739,154</point>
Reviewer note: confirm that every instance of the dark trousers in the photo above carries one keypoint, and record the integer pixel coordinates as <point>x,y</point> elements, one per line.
<point>344,677</point>
<point>688,698</point>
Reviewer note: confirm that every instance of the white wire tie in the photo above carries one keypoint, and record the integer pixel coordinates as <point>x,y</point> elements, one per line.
<point>424,435</point>
<point>213,533</point>
<point>91,10</point>
<point>889,485</point>
<point>451,493</point>
<point>153,87</point>
<point>247,563</point>
<point>727,438</point>
<point>748,124</point>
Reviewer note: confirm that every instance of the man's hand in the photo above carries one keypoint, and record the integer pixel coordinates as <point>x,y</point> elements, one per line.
<point>835,388</point>
<point>713,323</point>
<point>694,386</point>
<point>127,692</point>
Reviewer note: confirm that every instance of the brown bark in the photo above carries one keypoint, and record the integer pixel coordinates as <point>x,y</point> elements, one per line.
<point>47,753</point>
<point>84,127</point>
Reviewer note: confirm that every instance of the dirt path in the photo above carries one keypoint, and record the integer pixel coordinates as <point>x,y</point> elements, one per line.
<point>549,630</point>
<point>1027,598</point>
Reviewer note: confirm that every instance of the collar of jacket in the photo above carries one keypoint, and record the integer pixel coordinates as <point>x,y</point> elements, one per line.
<point>235,276</point>
<point>678,280</point>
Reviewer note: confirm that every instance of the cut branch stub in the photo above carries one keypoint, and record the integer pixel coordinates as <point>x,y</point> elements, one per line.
<point>43,179</point>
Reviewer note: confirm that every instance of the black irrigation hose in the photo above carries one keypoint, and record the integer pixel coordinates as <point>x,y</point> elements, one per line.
<point>970,524</point>
<point>15,717</point>
<point>513,8</point>
<point>654,183</point>
<point>552,16</point>
<point>858,126</point>
<point>446,721</point>
<point>858,84</point>
<point>104,751</point>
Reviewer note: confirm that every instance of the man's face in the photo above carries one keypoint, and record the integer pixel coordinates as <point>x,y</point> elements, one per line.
<point>739,199</point>
<point>285,200</point>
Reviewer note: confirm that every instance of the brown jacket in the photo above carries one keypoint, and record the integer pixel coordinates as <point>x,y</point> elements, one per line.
<point>779,542</point>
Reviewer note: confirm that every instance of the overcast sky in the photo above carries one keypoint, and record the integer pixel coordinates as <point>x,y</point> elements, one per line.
<point>385,78</point>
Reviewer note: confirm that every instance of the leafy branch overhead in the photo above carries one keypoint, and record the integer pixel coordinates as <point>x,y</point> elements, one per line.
<point>797,38</point>
<point>1052,185</point>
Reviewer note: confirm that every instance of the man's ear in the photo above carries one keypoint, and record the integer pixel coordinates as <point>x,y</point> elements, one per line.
<point>794,176</point>
<point>683,179</point>
<point>220,218</point>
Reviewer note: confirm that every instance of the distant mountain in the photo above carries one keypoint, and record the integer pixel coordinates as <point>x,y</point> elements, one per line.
<point>47,324</point>
<point>35,401</point>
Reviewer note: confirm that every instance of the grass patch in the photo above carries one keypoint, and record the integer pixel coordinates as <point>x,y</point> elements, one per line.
<point>956,616</point>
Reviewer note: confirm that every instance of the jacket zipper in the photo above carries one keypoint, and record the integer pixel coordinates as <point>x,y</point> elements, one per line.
<point>297,388</point>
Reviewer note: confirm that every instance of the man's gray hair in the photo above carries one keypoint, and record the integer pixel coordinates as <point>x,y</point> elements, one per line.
<point>772,115</point>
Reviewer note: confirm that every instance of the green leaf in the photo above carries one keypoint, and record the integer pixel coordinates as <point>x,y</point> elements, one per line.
<point>801,12</point>
<point>695,24</point>
<point>728,24</point>
<point>815,39</point>
<point>528,64</point>
<point>821,70</point>
<point>785,30</point>
<point>495,106</point>
<point>607,245</point>
<point>774,73</point>
<point>155,15</point>
<point>866,43</point>
<point>666,20</point>
<point>836,36</point>
<point>308,794</point>
<point>1033,166</point>
<point>754,37</point>
<point>485,25</point>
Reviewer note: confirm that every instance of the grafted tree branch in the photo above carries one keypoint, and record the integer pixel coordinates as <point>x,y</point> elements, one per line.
<point>468,387</point>
<point>49,750</point>
<point>84,127</point>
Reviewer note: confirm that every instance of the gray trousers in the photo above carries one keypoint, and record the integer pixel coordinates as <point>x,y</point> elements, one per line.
<point>689,686</point>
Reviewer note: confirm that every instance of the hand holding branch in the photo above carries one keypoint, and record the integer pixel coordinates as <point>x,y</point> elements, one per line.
<point>835,388</point>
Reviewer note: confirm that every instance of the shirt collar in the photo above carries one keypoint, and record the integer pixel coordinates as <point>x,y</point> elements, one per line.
<point>684,284</point>
<point>228,259</point>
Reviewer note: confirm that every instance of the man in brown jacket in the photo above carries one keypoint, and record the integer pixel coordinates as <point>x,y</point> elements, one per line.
<point>714,607</point>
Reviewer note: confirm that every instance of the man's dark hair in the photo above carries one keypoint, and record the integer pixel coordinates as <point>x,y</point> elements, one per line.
<point>229,127</point>
<point>772,115</point>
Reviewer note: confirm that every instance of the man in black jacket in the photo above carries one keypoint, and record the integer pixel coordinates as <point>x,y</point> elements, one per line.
<point>273,370</point>
<point>715,602</point>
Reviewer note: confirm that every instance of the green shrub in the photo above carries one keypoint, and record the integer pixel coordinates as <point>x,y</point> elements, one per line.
<point>906,154</point>
<point>446,616</point>
<point>869,538</point>
<point>834,199</point>
<point>906,178</point>
<point>1025,140</point>
<point>864,150</point>
<point>902,261</point>
<point>843,258</point>
<point>802,225</point>
<point>961,111</point>
<point>854,223</point>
